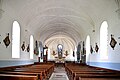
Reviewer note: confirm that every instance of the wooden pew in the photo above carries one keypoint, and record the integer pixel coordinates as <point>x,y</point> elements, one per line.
<point>39,75</point>
<point>45,69</point>
<point>103,75</point>
<point>79,71</point>
<point>49,68</point>
<point>93,72</point>
<point>99,77</point>
<point>17,77</point>
<point>88,78</point>
<point>41,71</point>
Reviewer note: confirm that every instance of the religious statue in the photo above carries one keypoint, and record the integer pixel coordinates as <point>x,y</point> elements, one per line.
<point>36,51</point>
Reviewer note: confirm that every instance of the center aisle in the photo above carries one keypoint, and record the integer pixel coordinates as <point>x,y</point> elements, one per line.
<point>59,74</point>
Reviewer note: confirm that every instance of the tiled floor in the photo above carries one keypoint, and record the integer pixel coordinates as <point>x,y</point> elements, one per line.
<point>59,74</point>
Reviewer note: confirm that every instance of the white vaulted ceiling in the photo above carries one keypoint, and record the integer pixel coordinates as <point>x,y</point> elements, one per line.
<point>60,21</point>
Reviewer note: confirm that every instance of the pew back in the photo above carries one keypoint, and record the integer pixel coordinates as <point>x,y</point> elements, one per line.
<point>17,77</point>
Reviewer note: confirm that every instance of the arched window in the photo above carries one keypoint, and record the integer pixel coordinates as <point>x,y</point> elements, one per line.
<point>16,40</point>
<point>31,47</point>
<point>48,57</point>
<point>87,48</point>
<point>75,55</point>
<point>103,40</point>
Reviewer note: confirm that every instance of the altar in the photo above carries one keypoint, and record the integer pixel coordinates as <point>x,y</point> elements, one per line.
<point>59,60</point>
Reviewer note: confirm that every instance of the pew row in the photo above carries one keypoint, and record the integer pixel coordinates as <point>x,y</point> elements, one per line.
<point>77,71</point>
<point>42,71</point>
<point>99,77</point>
<point>17,77</point>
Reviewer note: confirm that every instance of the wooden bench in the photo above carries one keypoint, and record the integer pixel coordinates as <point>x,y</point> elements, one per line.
<point>39,75</point>
<point>96,76</point>
<point>17,77</point>
<point>84,78</point>
<point>45,70</point>
<point>99,77</point>
<point>76,72</point>
<point>41,71</point>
